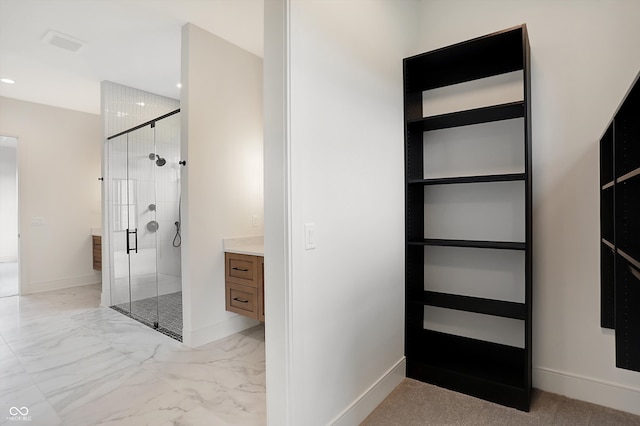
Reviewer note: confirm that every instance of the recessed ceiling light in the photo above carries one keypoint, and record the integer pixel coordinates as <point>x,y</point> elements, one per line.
<point>7,80</point>
<point>179,85</point>
<point>140,103</point>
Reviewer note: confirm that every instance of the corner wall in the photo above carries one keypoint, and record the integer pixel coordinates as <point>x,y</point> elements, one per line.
<point>277,230</point>
<point>584,57</point>
<point>222,142</point>
<point>59,167</point>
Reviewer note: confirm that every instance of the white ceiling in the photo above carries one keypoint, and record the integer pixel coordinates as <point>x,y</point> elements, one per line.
<point>131,42</point>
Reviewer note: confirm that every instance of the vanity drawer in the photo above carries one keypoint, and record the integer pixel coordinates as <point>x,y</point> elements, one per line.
<point>261,289</point>
<point>242,300</point>
<point>97,252</point>
<point>241,269</point>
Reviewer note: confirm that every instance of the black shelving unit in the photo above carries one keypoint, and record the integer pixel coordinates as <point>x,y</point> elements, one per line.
<point>620,229</point>
<point>493,371</point>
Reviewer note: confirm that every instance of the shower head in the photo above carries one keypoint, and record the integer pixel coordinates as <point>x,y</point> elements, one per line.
<point>159,160</point>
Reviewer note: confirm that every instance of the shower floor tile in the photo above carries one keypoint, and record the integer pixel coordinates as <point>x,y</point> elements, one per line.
<point>166,310</point>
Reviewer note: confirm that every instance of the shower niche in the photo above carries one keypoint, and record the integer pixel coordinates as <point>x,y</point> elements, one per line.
<point>143,203</point>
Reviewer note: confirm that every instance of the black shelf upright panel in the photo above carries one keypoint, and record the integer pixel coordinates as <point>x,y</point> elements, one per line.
<point>607,244</point>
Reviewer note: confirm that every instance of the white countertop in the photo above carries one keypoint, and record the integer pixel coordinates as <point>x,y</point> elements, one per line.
<point>253,246</point>
<point>96,231</point>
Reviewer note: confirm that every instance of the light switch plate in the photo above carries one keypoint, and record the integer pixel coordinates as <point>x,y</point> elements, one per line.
<point>309,236</point>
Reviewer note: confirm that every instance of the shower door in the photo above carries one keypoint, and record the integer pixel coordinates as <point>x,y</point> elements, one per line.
<point>143,267</point>
<point>144,223</point>
<point>134,225</point>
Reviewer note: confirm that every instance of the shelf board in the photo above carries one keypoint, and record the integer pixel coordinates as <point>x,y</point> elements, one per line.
<point>635,262</point>
<point>502,245</point>
<point>473,116</point>
<point>627,176</point>
<point>451,377</point>
<point>635,272</point>
<point>609,244</point>
<point>484,369</point>
<point>469,179</point>
<point>478,305</point>
<point>608,185</point>
<point>481,57</point>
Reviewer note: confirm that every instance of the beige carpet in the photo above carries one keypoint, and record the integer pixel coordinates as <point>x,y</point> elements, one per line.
<point>417,403</point>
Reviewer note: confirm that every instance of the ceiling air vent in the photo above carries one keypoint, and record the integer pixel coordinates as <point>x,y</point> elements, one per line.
<point>63,41</point>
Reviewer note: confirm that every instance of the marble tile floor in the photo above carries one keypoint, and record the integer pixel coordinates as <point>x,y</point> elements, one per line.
<point>71,362</point>
<point>8,279</point>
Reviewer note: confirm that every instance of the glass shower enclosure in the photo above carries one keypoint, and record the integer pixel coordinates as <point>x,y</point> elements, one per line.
<point>144,223</point>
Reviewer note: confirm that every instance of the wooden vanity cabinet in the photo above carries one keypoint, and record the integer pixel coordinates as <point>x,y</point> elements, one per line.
<point>244,285</point>
<point>97,252</point>
<point>261,290</point>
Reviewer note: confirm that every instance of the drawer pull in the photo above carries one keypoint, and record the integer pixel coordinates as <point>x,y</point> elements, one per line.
<point>240,269</point>
<point>240,300</point>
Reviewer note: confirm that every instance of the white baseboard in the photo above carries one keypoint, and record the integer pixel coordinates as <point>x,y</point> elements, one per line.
<point>64,283</point>
<point>372,397</point>
<point>203,335</point>
<point>596,391</point>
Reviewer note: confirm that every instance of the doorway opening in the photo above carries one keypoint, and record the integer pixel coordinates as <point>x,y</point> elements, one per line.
<point>9,234</point>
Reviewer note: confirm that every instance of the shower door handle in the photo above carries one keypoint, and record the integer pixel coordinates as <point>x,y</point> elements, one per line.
<point>129,232</point>
<point>136,232</point>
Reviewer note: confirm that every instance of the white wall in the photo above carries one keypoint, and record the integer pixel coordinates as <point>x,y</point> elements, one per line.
<point>222,142</point>
<point>340,144</point>
<point>584,57</point>
<point>8,200</point>
<point>59,167</point>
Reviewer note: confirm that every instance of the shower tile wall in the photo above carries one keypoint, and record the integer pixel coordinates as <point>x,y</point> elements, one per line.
<point>123,108</point>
